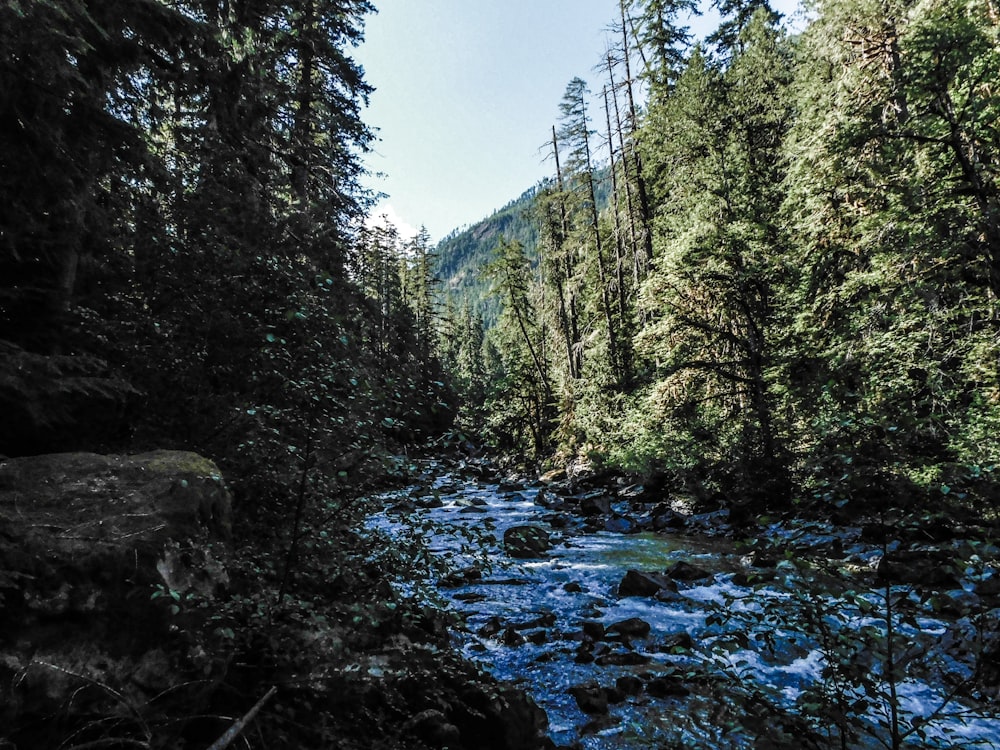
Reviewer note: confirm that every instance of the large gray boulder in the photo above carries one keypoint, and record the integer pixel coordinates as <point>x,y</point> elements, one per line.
<point>104,562</point>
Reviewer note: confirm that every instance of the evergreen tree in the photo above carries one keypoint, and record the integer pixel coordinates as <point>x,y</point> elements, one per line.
<point>896,303</point>
<point>521,407</point>
<point>715,145</point>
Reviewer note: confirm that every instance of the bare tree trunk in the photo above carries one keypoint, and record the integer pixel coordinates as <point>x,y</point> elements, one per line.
<point>645,215</point>
<point>567,311</point>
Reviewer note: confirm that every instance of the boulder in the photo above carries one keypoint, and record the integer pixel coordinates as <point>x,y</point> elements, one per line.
<point>633,627</point>
<point>686,572</point>
<point>667,686</point>
<point>594,504</point>
<point>666,519</point>
<point>760,559</point>
<point>491,627</point>
<point>629,684</point>
<point>639,583</point>
<point>621,525</point>
<point>590,697</point>
<point>525,542</point>
<point>594,630</point>
<point>511,637</point>
<point>107,556</point>
<point>555,475</point>
<point>584,653</point>
<point>677,643</point>
<point>542,620</point>
<point>622,659</point>
<point>462,577</point>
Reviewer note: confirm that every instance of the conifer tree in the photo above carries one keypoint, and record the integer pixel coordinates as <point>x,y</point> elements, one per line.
<point>896,242</point>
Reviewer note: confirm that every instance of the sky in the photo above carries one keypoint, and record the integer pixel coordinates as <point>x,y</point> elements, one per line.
<point>466,93</point>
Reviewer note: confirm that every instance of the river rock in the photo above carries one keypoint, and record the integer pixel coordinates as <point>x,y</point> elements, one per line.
<point>491,627</point>
<point>590,697</point>
<point>525,542</point>
<point>511,637</point>
<point>686,572</point>
<point>639,583</point>
<point>538,637</point>
<point>584,653</point>
<point>622,659</point>
<point>462,577</point>
<point>931,568</point>
<point>957,603</point>
<point>543,620</point>
<point>594,630</point>
<point>760,559</point>
<point>666,686</point>
<point>621,525</point>
<point>557,520</point>
<point>629,684</point>
<point>988,587</point>
<point>664,518</point>
<point>675,643</point>
<point>633,627</point>
<point>594,504</point>
<point>428,500</point>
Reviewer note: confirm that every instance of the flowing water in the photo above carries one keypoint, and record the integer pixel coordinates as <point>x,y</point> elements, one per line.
<point>720,667</point>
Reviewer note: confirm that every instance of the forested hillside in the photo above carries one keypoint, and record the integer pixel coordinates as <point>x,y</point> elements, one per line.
<point>792,295</point>
<point>460,257</point>
<point>460,260</point>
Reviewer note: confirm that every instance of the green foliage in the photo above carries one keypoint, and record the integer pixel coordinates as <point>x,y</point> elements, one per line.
<point>180,230</point>
<point>816,318</point>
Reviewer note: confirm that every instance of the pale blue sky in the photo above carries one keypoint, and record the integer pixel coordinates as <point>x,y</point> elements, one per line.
<point>466,94</point>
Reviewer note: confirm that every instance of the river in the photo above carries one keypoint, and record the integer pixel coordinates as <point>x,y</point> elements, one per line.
<point>728,662</point>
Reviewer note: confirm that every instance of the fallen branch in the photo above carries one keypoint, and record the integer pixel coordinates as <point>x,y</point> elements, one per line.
<point>233,732</point>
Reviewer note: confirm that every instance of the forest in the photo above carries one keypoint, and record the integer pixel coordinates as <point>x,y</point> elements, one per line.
<point>791,296</point>
<point>761,282</point>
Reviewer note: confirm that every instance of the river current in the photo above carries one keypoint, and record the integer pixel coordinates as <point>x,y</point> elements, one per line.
<point>723,664</point>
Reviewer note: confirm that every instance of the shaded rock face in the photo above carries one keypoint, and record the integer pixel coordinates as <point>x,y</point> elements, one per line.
<point>98,556</point>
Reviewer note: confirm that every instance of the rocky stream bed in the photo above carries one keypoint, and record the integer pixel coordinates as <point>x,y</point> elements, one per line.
<point>635,623</point>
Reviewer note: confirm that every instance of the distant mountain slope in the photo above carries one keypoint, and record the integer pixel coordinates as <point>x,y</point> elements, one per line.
<point>461,257</point>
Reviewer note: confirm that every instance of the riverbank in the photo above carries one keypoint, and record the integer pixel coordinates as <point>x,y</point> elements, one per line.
<point>134,616</point>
